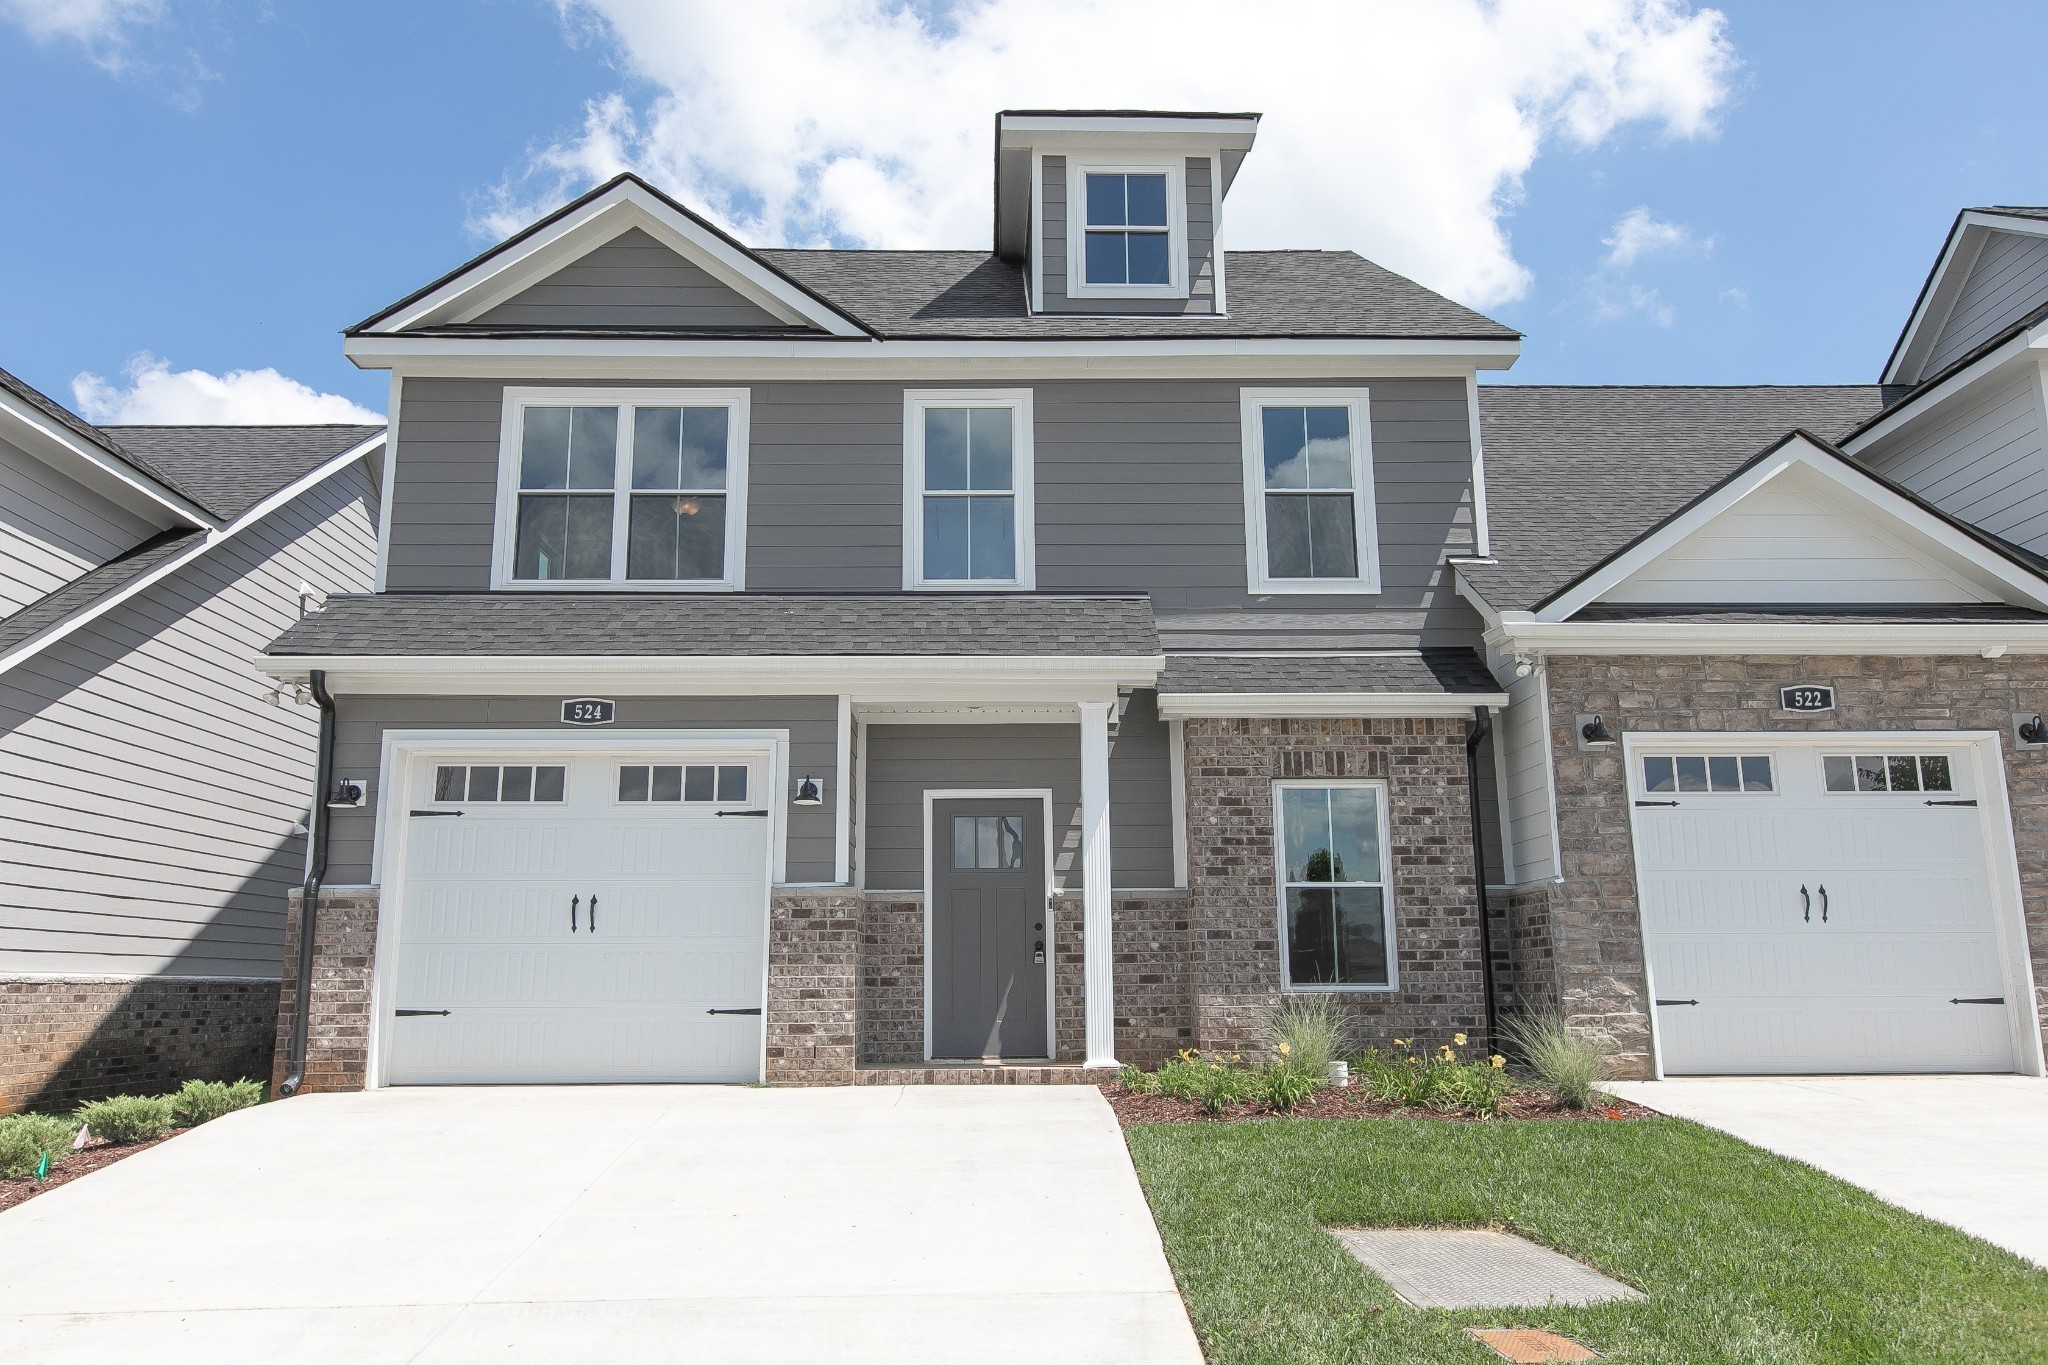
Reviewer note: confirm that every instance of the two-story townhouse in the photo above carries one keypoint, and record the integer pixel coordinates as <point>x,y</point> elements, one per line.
<point>154,781</point>
<point>815,664</point>
<point>828,666</point>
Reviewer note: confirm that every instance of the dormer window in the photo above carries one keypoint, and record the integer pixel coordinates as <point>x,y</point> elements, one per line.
<point>621,488</point>
<point>1128,241</point>
<point>1129,219</point>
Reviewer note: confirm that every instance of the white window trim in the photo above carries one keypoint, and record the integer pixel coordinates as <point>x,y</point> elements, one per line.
<point>504,546</point>
<point>1176,172</point>
<point>1386,882</point>
<point>1363,502</point>
<point>1018,401</point>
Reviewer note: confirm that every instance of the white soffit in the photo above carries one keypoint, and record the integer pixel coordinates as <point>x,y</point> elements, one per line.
<point>1931,542</point>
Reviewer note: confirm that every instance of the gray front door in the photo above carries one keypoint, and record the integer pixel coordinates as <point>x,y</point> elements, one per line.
<point>990,931</point>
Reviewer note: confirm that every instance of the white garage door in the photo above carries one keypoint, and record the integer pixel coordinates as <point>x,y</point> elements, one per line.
<point>1818,908</point>
<point>579,919</point>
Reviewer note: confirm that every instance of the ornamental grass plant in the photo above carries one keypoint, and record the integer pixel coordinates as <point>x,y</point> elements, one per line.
<point>1571,1064</point>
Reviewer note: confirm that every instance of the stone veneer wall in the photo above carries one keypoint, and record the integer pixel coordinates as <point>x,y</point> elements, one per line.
<point>1597,939</point>
<point>1234,915</point>
<point>344,949</point>
<point>77,1038</point>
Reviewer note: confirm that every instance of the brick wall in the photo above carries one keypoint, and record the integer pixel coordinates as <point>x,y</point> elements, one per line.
<point>1154,1001</point>
<point>1235,963</point>
<point>814,980</point>
<point>1524,967</point>
<point>344,946</point>
<point>1596,938</point>
<point>892,982</point>
<point>73,1039</point>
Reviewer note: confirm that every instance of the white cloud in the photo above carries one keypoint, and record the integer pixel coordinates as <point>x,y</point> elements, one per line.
<point>1639,233</point>
<point>156,394</point>
<point>1400,128</point>
<point>101,27</point>
<point>1637,237</point>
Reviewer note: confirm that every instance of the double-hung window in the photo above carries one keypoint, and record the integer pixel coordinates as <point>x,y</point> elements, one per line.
<point>626,489</point>
<point>1309,513</point>
<point>1336,910</point>
<point>1127,230</point>
<point>967,489</point>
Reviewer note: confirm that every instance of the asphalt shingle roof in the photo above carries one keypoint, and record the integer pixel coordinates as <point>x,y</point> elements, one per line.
<point>518,625</point>
<point>1447,671</point>
<point>228,470</point>
<point>94,586</point>
<point>1574,474</point>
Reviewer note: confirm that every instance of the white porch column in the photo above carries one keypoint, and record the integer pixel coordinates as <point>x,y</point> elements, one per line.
<point>1098,956</point>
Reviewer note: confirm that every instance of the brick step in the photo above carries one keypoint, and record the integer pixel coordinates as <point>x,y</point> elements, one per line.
<point>977,1074</point>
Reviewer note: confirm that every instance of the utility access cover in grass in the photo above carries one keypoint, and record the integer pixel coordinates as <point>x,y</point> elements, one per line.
<point>1472,1268</point>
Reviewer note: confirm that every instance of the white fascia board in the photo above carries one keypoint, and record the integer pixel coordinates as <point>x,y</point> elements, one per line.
<point>918,678</point>
<point>648,358</point>
<point>36,434</point>
<point>2008,578</point>
<point>2021,347</point>
<point>1722,639</point>
<point>628,206</point>
<point>1051,130</point>
<point>1315,705</point>
<point>219,535</point>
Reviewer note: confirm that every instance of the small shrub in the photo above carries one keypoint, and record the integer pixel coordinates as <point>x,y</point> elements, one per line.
<point>1570,1064</point>
<point>1308,1032</point>
<point>1442,1080</point>
<point>201,1101</point>
<point>129,1118</point>
<point>1217,1079</point>
<point>1138,1081</point>
<point>24,1138</point>
<point>1288,1084</point>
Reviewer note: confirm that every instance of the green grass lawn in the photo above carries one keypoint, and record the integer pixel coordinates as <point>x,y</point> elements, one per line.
<point>1745,1256</point>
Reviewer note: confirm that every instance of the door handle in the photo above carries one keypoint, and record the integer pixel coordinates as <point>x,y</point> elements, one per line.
<point>593,914</point>
<point>1806,899</point>
<point>574,901</point>
<point>1038,953</point>
<point>1823,905</point>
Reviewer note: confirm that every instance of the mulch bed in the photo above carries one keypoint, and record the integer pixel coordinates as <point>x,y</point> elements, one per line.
<point>1353,1103</point>
<point>95,1154</point>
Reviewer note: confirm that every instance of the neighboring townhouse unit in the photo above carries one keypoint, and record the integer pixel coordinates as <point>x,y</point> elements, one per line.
<point>153,780</point>
<point>827,666</point>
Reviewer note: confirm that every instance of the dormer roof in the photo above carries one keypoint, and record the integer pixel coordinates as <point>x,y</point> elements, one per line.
<point>1991,273</point>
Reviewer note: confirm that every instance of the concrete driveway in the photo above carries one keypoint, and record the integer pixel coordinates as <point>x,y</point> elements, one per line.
<point>1966,1150</point>
<point>615,1224</point>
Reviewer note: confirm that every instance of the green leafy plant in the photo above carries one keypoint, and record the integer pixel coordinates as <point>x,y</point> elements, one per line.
<point>129,1118</point>
<point>1288,1084</point>
<point>201,1101</point>
<point>1308,1032</point>
<point>26,1138</point>
<point>1571,1064</point>
<point>1138,1081</point>
<point>1442,1080</point>
<point>1217,1079</point>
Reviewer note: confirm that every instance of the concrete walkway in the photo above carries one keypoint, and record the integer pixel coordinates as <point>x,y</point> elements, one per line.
<point>1967,1150</point>
<point>616,1224</point>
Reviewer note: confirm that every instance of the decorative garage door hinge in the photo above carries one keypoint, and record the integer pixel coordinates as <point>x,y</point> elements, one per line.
<point>1678,1002</point>
<point>411,1014</point>
<point>1978,1000</point>
<point>755,1010</point>
<point>1952,803</point>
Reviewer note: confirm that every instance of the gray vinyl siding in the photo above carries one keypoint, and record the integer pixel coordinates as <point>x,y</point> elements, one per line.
<point>1526,776</point>
<point>1059,253</point>
<point>812,723</point>
<point>1980,457</point>
<point>2008,280</point>
<point>53,528</point>
<point>150,788</point>
<point>630,281</point>
<point>902,762</point>
<point>1139,488</point>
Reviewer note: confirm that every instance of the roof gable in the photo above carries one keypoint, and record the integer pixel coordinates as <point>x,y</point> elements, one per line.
<point>1829,531</point>
<point>625,205</point>
<point>1991,274</point>
<point>632,281</point>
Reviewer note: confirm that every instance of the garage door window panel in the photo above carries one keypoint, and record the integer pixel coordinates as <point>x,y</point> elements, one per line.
<point>687,783</point>
<point>1861,773</point>
<point>1664,774</point>
<point>1336,918</point>
<point>515,783</point>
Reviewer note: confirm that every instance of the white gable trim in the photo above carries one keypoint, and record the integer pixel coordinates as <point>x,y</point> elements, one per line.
<point>218,535</point>
<point>625,206</point>
<point>130,488</point>
<point>1945,285</point>
<point>1998,574</point>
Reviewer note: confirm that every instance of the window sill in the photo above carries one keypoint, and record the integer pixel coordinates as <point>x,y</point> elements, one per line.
<point>1311,587</point>
<point>1343,990</point>
<point>970,585</point>
<point>685,585</point>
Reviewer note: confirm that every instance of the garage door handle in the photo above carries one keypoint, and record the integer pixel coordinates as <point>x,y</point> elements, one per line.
<point>1978,1000</point>
<point>761,813</point>
<point>1678,1002</point>
<point>414,1014</point>
<point>574,901</point>
<point>593,914</point>
<point>1806,899</point>
<point>1823,905</point>
<point>755,1010</point>
<point>1970,802</point>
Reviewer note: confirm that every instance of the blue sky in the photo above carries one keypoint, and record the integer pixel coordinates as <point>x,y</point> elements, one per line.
<point>226,185</point>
